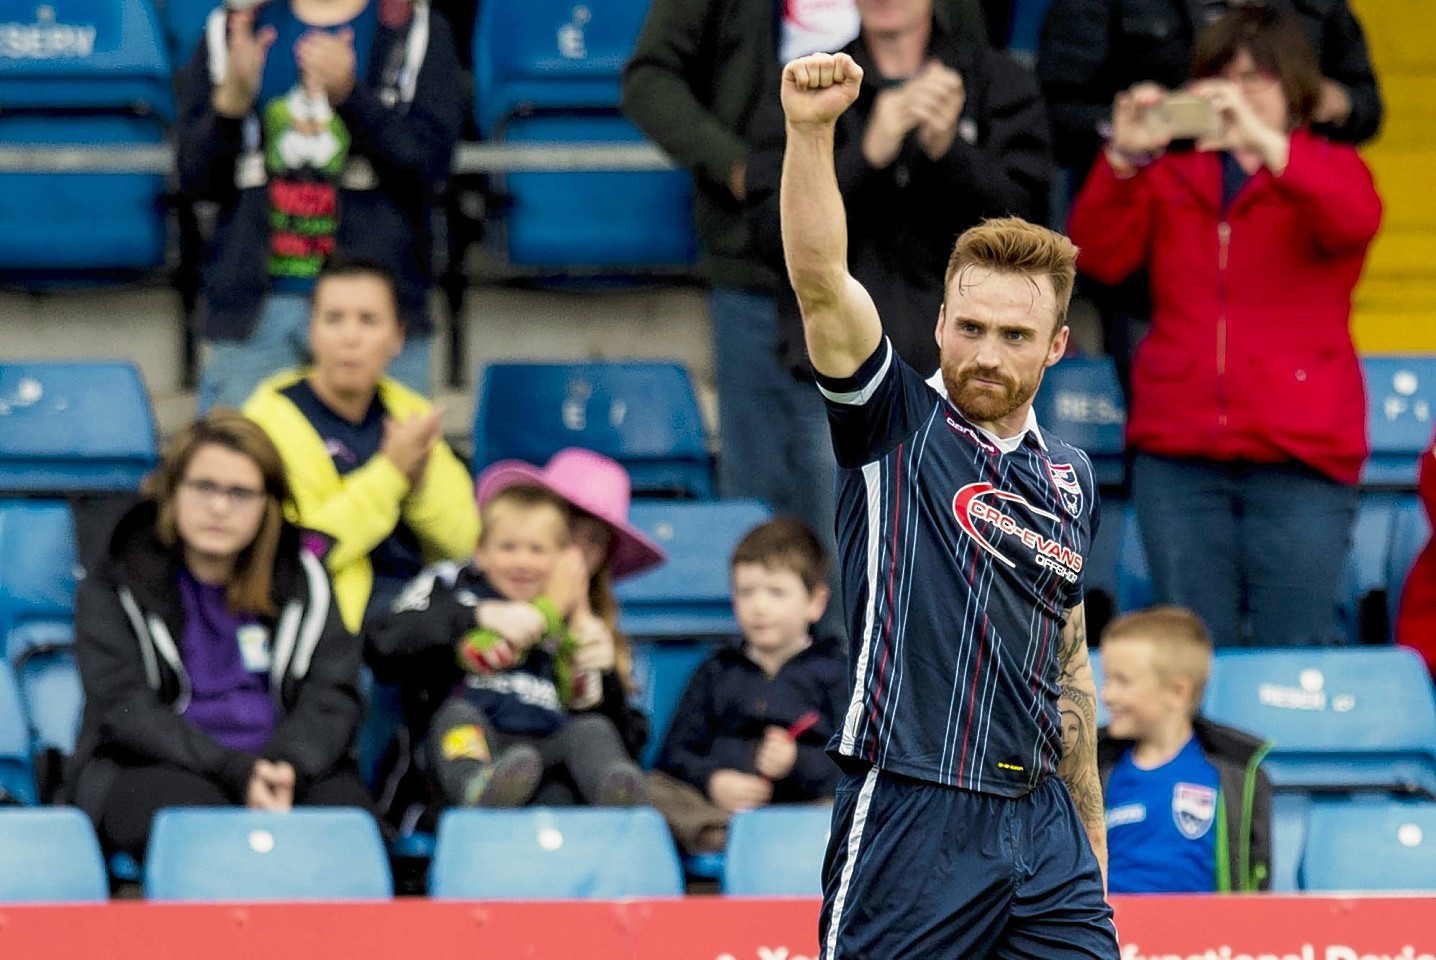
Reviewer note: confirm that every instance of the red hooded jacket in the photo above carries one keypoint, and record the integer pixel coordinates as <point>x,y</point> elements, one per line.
<point>1250,354</point>
<point>1416,618</point>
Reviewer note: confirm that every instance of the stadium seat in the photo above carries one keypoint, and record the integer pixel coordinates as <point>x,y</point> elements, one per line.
<point>641,413</point>
<point>554,853</point>
<point>226,853</point>
<point>1401,395</point>
<point>37,595</point>
<point>691,594</point>
<point>777,851</point>
<point>1360,610</point>
<point>74,426</point>
<point>184,22</point>
<point>1339,719</point>
<point>1100,567</point>
<point>1081,402</point>
<point>662,670</point>
<point>1024,29</point>
<point>1094,656</point>
<point>1370,845</point>
<point>95,74</point>
<point>548,70</point>
<point>1289,813</point>
<point>17,779</point>
<point>1410,530</point>
<point>1134,580</point>
<point>50,855</point>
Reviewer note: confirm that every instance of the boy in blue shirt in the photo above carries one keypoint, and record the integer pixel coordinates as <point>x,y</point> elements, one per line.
<point>1188,808</point>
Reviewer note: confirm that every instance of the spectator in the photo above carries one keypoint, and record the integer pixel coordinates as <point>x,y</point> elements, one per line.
<point>948,133</point>
<point>753,723</point>
<point>597,491</point>
<point>502,642</point>
<point>318,127</point>
<point>1416,617</point>
<point>373,479</point>
<point>216,668</point>
<point>1247,415</point>
<point>699,71</point>
<point>1092,49</point>
<point>1188,807</point>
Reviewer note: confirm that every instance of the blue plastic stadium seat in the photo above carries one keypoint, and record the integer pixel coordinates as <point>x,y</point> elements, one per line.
<point>1401,397</point>
<point>1369,845</point>
<point>226,853</point>
<point>184,22</point>
<point>549,853</point>
<point>1134,579</point>
<point>777,851</point>
<point>74,426</point>
<point>17,778</point>
<point>1101,565</point>
<point>42,654</point>
<point>548,70</point>
<point>1081,402</point>
<point>50,855</point>
<point>1340,719</point>
<point>1095,658</point>
<point>641,413</point>
<point>1410,530</point>
<point>88,73</point>
<point>691,594</point>
<point>1024,29</point>
<point>1290,811</point>
<point>661,671</point>
<point>1366,567</point>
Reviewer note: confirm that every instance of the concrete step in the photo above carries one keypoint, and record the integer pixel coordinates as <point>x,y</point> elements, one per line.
<point>142,324</point>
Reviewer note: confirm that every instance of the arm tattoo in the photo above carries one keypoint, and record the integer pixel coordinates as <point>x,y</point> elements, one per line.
<point>1077,699</point>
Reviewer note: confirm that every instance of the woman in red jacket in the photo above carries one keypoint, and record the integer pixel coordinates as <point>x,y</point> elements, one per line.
<point>1248,409</point>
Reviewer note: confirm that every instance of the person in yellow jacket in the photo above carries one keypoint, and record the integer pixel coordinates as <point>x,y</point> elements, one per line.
<point>374,484</point>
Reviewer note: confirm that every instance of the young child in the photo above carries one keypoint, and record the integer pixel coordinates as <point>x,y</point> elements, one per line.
<point>1188,808</point>
<point>753,724</point>
<point>598,493</point>
<point>494,636</point>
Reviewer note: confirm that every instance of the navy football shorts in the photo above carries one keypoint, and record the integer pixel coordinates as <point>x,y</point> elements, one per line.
<point>917,870</point>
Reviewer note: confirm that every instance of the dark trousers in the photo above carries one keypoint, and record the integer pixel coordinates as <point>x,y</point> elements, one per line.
<point>140,792</point>
<point>576,757</point>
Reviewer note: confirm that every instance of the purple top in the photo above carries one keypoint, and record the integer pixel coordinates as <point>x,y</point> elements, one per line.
<point>227,657</point>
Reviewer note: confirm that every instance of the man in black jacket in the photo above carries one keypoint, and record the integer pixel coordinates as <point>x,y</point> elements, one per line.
<point>949,134</point>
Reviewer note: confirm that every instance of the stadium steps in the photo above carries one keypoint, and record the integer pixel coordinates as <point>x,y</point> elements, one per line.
<point>1396,300</point>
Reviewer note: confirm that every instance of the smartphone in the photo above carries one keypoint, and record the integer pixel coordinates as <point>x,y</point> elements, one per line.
<point>1182,116</point>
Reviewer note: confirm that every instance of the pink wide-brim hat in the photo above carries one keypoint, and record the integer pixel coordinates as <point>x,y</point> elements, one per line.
<point>594,484</point>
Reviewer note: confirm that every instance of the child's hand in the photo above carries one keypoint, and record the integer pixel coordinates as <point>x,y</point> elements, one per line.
<point>595,643</point>
<point>485,660</point>
<point>734,790</point>
<point>777,753</point>
<point>521,624</point>
<point>568,586</point>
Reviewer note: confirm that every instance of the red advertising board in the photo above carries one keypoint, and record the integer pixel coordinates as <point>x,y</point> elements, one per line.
<point>694,928</point>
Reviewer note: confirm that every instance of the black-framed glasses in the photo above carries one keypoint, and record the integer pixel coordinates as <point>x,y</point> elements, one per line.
<point>209,491</point>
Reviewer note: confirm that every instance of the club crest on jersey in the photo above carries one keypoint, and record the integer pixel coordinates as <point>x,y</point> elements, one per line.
<point>977,503</point>
<point>1193,808</point>
<point>1064,478</point>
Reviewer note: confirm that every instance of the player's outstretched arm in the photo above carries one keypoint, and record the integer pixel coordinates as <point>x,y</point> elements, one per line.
<point>1077,694</point>
<point>839,319</point>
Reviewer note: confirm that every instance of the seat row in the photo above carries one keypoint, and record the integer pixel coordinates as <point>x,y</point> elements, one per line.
<point>98,72</point>
<point>51,854</point>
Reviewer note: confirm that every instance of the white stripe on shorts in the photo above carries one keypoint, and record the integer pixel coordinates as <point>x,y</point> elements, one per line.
<point>855,841</point>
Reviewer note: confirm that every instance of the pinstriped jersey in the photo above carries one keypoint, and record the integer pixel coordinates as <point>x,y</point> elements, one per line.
<point>961,553</point>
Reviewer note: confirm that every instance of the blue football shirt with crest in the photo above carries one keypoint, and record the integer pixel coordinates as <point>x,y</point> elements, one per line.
<point>1161,835</point>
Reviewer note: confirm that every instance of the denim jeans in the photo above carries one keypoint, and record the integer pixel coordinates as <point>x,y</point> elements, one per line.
<point>772,427</point>
<point>280,340</point>
<point>1256,550</point>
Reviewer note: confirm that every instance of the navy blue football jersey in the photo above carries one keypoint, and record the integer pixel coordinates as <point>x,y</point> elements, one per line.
<point>961,553</point>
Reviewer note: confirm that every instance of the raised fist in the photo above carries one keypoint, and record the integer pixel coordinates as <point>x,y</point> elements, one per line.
<point>819,87</point>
